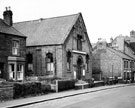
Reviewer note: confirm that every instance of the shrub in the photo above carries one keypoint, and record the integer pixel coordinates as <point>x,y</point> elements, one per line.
<point>25,89</point>
<point>90,81</point>
<point>45,88</point>
<point>49,79</point>
<point>66,85</point>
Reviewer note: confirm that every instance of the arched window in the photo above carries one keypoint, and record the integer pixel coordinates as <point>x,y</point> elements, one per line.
<point>68,60</point>
<point>87,62</point>
<point>79,42</point>
<point>49,62</point>
<point>29,58</point>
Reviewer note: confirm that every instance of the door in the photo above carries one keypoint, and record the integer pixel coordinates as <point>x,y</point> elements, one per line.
<point>1,70</point>
<point>79,68</point>
<point>79,72</point>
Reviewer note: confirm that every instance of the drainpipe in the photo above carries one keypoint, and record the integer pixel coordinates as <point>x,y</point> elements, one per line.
<point>112,74</point>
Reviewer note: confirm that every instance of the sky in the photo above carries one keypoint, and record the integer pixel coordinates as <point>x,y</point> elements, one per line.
<point>103,18</point>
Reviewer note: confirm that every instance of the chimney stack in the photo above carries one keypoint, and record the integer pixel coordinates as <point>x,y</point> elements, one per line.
<point>132,34</point>
<point>7,16</point>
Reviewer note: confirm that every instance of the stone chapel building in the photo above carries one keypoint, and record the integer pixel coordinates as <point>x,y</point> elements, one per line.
<point>57,47</point>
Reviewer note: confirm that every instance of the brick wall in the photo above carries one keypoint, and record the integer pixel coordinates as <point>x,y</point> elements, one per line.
<point>6,93</point>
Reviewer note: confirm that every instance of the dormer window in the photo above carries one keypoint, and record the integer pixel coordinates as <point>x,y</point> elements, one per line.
<point>15,47</point>
<point>79,42</point>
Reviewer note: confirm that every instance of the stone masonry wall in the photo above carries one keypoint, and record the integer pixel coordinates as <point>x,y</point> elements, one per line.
<point>39,63</point>
<point>108,63</point>
<point>6,49</point>
<point>71,44</point>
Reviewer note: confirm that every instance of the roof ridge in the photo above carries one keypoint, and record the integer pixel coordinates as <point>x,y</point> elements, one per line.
<point>47,18</point>
<point>74,21</point>
<point>120,52</point>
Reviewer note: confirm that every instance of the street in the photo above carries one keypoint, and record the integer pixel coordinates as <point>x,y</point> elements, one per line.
<point>123,97</point>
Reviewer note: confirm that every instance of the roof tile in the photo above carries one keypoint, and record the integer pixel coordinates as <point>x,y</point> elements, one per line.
<point>47,31</point>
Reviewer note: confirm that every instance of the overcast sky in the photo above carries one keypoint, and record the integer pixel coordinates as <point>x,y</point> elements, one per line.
<point>103,18</point>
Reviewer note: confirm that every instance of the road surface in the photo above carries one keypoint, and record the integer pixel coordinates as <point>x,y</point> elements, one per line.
<point>123,97</point>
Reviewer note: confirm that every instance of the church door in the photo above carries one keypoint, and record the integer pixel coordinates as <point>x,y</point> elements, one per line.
<point>79,68</point>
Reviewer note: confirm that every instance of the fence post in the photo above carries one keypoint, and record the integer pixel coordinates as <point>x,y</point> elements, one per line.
<point>56,86</point>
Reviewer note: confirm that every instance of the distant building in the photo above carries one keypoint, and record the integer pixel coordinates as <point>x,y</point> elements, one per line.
<point>12,49</point>
<point>115,59</point>
<point>57,47</point>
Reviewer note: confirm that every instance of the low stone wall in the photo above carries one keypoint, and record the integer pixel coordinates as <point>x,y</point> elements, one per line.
<point>98,83</point>
<point>6,93</point>
<point>81,86</point>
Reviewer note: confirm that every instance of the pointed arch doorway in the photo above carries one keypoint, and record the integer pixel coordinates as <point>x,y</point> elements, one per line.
<point>79,67</point>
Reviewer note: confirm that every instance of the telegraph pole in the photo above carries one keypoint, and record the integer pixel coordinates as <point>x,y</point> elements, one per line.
<point>112,74</point>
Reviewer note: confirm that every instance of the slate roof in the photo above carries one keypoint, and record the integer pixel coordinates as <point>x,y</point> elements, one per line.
<point>132,45</point>
<point>47,31</point>
<point>5,28</point>
<point>120,54</point>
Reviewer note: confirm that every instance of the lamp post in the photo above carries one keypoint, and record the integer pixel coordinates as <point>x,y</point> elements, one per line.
<point>112,74</point>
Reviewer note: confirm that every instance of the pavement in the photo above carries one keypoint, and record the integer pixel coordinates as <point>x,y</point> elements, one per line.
<point>53,96</point>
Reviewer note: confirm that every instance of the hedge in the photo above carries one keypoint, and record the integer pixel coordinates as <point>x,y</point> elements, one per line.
<point>66,85</point>
<point>45,88</point>
<point>25,89</point>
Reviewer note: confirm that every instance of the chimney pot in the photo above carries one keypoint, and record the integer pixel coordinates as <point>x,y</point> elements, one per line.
<point>6,8</point>
<point>7,16</point>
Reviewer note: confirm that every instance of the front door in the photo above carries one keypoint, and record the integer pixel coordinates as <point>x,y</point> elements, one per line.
<point>79,68</point>
<point>79,72</point>
<point>1,70</point>
<point>12,71</point>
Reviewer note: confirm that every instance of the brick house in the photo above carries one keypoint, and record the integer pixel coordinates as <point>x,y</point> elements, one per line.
<point>110,61</point>
<point>57,47</point>
<point>12,49</point>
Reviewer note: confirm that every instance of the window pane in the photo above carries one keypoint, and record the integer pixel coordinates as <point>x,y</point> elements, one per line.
<point>48,66</point>
<point>125,64</point>
<point>30,67</point>
<point>12,67</point>
<point>15,47</point>
<point>68,67</point>
<point>79,42</point>
<point>124,75</point>
<point>52,67</point>
<point>29,58</point>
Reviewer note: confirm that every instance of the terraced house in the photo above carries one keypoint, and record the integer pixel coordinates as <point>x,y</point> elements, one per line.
<point>57,47</point>
<point>114,59</point>
<point>12,49</point>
